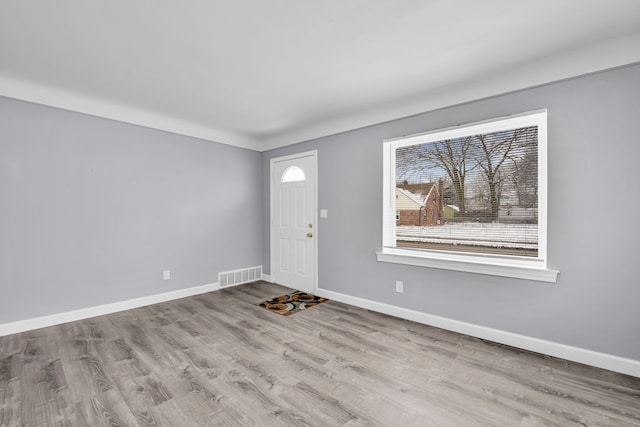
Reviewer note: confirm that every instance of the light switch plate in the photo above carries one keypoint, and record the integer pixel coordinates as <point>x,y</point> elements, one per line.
<point>323,213</point>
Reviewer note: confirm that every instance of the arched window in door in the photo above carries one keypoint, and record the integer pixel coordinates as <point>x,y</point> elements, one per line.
<point>292,174</point>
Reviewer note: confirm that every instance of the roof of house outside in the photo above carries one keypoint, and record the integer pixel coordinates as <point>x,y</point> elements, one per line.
<point>417,198</point>
<point>418,192</point>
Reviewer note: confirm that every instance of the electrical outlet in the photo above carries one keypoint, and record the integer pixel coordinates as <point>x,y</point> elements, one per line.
<point>399,286</point>
<point>166,275</point>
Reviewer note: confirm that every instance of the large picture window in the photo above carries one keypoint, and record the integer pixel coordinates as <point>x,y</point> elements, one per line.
<point>470,198</point>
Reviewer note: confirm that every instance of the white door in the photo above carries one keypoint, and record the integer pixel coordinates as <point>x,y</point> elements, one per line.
<point>293,221</point>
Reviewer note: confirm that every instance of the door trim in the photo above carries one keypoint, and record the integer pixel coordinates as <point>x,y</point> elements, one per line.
<point>272,265</point>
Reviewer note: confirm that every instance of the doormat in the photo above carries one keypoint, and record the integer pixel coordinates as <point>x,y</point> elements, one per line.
<point>286,305</point>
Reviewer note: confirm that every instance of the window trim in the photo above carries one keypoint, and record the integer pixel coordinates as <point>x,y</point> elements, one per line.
<point>498,265</point>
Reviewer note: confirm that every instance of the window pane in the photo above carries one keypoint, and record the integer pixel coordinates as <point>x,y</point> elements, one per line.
<point>476,193</point>
<point>292,174</point>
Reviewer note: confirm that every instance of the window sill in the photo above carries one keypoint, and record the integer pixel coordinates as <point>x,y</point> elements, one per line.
<point>541,274</point>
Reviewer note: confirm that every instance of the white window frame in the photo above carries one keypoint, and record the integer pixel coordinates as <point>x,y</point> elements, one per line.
<point>532,268</point>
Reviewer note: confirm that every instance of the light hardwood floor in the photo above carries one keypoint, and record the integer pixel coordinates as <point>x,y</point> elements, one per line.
<point>219,360</point>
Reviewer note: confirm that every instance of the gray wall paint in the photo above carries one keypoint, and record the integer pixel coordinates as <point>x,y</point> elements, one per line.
<point>594,126</point>
<point>92,211</point>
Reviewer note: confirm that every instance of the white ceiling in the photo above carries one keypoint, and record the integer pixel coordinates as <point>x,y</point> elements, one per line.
<point>266,73</point>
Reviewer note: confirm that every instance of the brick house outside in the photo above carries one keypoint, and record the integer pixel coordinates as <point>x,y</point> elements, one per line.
<point>420,204</point>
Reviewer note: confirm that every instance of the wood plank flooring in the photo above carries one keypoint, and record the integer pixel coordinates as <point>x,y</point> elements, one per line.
<point>218,360</point>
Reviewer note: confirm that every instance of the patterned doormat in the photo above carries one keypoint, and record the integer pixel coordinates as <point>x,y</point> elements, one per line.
<point>289,304</point>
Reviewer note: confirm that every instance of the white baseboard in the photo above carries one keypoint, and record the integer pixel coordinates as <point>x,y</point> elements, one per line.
<point>267,278</point>
<point>85,313</point>
<point>575,354</point>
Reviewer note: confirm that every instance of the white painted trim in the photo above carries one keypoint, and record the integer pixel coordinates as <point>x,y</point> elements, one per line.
<point>606,55</point>
<point>272,161</point>
<point>515,271</point>
<point>529,268</point>
<point>60,98</point>
<point>602,56</point>
<point>575,354</point>
<point>588,357</point>
<point>100,310</point>
<point>267,278</point>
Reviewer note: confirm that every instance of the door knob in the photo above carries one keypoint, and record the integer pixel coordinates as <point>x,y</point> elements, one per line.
<point>309,234</point>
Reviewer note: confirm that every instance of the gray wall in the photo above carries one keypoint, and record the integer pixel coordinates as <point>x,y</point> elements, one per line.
<point>92,211</point>
<point>594,149</point>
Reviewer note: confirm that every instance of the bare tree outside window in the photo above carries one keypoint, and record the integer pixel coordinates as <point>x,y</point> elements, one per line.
<point>492,180</point>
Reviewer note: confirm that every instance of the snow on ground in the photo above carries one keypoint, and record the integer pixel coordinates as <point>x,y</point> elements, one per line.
<point>482,234</point>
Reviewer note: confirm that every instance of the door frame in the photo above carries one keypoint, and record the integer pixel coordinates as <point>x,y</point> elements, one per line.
<point>272,161</point>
